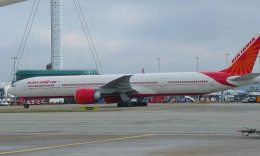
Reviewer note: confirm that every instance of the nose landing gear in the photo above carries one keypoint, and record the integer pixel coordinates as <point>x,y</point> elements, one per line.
<point>26,105</point>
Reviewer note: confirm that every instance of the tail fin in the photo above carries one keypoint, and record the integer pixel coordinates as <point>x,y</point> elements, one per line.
<point>244,61</point>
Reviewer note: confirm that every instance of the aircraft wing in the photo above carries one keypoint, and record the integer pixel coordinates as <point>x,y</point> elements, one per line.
<point>8,2</point>
<point>247,77</point>
<point>119,85</point>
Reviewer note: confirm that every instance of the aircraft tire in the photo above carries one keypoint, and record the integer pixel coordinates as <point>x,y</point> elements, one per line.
<point>140,104</point>
<point>132,104</point>
<point>26,105</point>
<point>125,104</point>
<point>144,104</point>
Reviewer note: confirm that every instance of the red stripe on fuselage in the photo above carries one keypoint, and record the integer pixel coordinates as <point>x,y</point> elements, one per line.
<point>220,77</point>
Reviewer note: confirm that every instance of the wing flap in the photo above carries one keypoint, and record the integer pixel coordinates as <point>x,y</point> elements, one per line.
<point>119,85</point>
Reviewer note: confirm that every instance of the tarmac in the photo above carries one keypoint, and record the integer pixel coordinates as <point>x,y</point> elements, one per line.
<point>156,130</point>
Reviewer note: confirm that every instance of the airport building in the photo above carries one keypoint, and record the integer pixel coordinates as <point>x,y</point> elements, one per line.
<point>23,74</point>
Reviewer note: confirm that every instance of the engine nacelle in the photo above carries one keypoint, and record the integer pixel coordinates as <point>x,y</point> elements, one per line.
<point>87,96</point>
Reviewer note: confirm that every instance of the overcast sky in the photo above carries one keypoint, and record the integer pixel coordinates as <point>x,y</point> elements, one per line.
<point>131,34</point>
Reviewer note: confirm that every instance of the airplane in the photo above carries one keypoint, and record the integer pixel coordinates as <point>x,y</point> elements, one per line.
<point>121,88</point>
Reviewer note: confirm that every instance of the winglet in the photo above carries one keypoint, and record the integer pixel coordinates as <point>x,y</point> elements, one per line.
<point>244,61</point>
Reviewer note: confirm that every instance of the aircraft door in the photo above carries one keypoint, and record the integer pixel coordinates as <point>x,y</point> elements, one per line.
<point>162,82</point>
<point>212,84</point>
<point>57,85</point>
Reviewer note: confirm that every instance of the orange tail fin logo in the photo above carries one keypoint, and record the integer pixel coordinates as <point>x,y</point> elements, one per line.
<point>244,61</point>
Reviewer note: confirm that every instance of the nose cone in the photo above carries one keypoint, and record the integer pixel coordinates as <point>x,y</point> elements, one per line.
<point>12,90</point>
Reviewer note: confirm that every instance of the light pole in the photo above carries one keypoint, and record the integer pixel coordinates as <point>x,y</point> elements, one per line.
<point>14,67</point>
<point>197,61</point>
<point>227,54</point>
<point>159,64</point>
<point>227,97</point>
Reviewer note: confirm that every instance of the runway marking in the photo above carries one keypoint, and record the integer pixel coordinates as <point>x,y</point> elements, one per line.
<point>75,144</point>
<point>198,134</point>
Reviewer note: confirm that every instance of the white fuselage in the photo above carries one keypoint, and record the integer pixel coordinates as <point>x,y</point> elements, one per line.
<point>183,83</point>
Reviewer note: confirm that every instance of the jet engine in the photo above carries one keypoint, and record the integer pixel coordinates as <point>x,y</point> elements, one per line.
<point>87,96</point>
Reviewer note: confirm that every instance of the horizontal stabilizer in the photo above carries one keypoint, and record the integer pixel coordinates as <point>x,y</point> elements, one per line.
<point>246,77</point>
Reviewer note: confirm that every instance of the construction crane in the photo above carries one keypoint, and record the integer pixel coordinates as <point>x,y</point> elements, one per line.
<point>7,2</point>
<point>56,37</point>
<point>56,33</point>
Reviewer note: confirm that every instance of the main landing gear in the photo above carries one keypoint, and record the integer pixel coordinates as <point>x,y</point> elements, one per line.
<point>126,102</point>
<point>132,104</point>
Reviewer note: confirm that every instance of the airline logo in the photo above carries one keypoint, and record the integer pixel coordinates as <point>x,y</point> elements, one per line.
<point>244,61</point>
<point>41,82</point>
<point>243,50</point>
